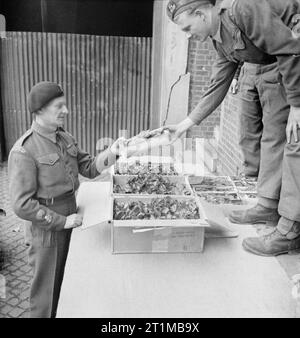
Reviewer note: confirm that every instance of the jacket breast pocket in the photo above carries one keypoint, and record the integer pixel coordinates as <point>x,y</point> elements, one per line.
<point>48,166</point>
<point>49,159</point>
<point>273,77</point>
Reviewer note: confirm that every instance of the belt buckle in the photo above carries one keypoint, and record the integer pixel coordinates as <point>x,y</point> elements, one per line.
<point>50,201</point>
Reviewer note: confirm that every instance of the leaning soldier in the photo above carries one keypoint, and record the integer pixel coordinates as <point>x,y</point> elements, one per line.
<point>259,32</point>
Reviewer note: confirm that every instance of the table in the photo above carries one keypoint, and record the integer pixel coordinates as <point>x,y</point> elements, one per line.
<point>223,281</point>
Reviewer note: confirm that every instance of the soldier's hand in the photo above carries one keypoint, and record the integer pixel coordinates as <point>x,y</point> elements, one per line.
<point>118,146</point>
<point>179,129</point>
<point>293,124</point>
<point>73,221</point>
<point>234,86</point>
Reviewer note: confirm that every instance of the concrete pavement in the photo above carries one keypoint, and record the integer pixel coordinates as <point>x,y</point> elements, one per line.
<point>15,270</point>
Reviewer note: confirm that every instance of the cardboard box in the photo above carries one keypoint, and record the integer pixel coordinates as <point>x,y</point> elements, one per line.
<point>221,198</point>
<point>158,235</point>
<point>157,240</point>
<point>134,168</point>
<point>122,180</point>
<point>212,184</point>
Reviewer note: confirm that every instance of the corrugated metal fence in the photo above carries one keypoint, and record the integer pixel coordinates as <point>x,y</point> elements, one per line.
<point>107,81</point>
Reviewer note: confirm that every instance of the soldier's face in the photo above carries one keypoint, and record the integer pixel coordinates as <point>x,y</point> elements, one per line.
<point>196,24</point>
<point>54,114</point>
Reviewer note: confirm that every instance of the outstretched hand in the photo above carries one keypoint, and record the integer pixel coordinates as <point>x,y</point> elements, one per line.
<point>118,146</point>
<point>293,124</point>
<point>234,86</point>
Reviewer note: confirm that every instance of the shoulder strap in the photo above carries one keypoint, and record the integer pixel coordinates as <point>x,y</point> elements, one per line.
<point>18,146</point>
<point>23,138</point>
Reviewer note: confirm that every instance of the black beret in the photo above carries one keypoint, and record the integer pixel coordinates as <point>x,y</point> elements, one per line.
<point>41,94</point>
<point>176,7</point>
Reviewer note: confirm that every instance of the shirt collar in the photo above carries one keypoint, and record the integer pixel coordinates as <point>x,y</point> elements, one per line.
<point>44,131</point>
<point>216,23</point>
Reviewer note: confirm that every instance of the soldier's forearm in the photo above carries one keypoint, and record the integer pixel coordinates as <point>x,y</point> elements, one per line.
<point>40,215</point>
<point>222,75</point>
<point>105,160</point>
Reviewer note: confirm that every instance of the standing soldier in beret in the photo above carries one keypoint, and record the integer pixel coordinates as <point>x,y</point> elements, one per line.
<point>43,168</point>
<point>259,32</point>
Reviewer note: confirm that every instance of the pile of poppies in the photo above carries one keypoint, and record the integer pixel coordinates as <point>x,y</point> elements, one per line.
<point>151,184</point>
<point>156,208</point>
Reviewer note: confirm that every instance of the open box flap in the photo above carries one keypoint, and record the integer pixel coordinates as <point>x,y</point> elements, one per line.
<point>219,225</point>
<point>94,201</point>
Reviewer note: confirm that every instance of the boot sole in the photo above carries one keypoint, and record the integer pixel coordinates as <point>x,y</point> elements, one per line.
<point>253,222</point>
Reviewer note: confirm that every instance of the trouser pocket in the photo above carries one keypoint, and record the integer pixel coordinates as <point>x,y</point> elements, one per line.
<point>42,238</point>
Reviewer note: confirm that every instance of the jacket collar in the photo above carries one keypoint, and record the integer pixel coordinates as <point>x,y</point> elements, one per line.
<point>216,18</point>
<point>44,131</point>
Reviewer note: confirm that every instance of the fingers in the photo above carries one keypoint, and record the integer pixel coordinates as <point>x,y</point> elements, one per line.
<point>288,133</point>
<point>156,132</point>
<point>295,131</point>
<point>118,145</point>
<point>144,133</point>
<point>78,221</point>
<point>234,86</point>
<point>73,221</point>
<point>292,129</point>
<point>171,128</point>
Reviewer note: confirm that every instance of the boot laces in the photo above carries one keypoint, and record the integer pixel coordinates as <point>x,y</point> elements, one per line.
<point>272,234</point>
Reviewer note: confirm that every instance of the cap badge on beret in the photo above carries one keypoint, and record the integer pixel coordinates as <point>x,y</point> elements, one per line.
<point>171,7</point>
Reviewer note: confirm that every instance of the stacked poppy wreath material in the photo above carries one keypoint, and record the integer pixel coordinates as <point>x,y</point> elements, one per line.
<point>153,191</point>
<point>224,189</point>
<point>155,209</point>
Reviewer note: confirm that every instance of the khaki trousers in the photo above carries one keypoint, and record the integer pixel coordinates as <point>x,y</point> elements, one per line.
<point>47,257</point>
<point>250,120</point>
<point>275,112</point>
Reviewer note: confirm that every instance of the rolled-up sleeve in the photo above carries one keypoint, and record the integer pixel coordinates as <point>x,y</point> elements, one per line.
<point>22,173</point>
<point>222,75</point>
<point>267,30</point>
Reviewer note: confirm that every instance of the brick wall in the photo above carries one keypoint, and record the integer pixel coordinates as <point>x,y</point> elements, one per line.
<point>200,60</point>
<point>229,153</point>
